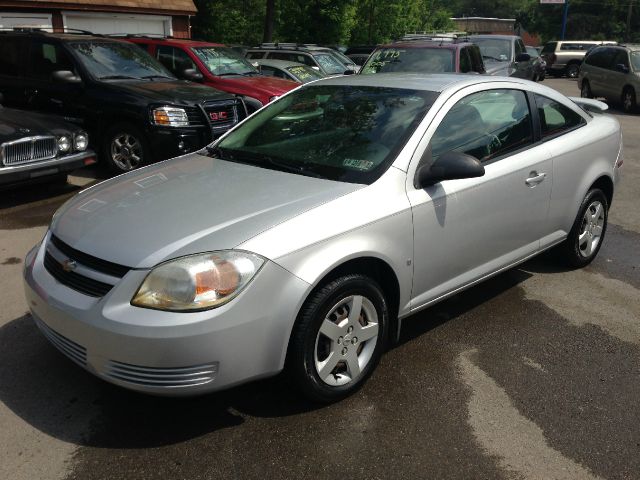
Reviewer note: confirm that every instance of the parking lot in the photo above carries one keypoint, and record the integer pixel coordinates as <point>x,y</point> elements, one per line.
<point>532,374</point>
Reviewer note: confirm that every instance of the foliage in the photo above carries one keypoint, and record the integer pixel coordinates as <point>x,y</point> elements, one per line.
<point>376,21</point>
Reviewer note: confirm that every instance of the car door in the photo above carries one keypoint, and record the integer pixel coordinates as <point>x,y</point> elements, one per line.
<point>523,69</point>
<point>45,93</point>
<point>617,78</point>
<point>466,229</point>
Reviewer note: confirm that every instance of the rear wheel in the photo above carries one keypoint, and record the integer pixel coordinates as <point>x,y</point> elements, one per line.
<point>586,236</point>
<point>629,104</point>
<point>339,337</point>
<point>125,148</point>
<point>585,91</point>
<point>572,70</point>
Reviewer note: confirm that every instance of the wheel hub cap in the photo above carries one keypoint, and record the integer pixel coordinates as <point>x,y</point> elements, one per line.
<point>592,228</point>
<point>346,340</point>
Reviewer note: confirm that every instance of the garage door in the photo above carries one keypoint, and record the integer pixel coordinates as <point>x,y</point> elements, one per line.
<point>14,20</point>
<point>119,23</point>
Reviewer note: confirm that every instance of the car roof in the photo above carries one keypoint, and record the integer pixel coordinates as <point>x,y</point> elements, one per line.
<point>414,81</point>
<point>499,37</point>
<point>172,41</point>
<point>426,44</point>
<point>59,36</point>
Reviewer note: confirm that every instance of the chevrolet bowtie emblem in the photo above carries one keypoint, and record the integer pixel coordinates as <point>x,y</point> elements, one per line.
<point>68,265</point>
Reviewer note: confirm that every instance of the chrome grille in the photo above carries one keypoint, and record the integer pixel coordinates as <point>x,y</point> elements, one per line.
<point>71,349</point>
<point>162,377</point>
<point>30,149</point>
<point>222,115</point>
<point>195,116</point>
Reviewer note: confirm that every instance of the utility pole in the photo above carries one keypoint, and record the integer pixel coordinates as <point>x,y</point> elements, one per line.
<point>627,34</point>
<point>565,14</point>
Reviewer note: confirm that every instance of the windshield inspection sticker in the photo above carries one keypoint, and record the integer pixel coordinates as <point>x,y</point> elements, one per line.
<point>357,164</point>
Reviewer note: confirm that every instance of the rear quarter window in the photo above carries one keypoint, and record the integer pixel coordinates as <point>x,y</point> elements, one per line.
<point>556,118</point>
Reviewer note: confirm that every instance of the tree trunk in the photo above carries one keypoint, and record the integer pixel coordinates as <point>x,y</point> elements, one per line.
<point>269,20</point>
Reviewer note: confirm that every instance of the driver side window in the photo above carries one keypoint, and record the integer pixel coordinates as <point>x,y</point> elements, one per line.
<point>485,125</point>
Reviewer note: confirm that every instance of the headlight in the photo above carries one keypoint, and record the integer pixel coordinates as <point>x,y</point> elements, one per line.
<point>80,142</point>
<point>197,282</point>
<point>169,117</point>
<point>64,143</point>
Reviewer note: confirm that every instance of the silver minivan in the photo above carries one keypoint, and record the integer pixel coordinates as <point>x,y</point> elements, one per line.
<point>612,72</point>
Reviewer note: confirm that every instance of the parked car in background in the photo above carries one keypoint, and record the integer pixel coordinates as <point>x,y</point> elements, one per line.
<point>565,56</point>
<point>425,56</point>
<point>359,53</point>
<point>342,207</point>
<point>133,108</point>
<point>217,66</point>
<point>539,64</point>
<point>296,72</point>
<point>318,58</point>
<point>612,72</point>
<point>35,146</point>
<point>505,55</point>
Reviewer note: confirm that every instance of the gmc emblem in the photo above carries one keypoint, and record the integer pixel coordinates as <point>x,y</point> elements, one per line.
<point>217,116</point>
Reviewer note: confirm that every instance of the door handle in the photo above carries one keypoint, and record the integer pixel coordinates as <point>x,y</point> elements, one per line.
<point>535,178</point>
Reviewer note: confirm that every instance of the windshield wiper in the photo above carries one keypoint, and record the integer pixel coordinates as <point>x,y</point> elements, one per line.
<point>118,77</point>
<point>492,58</point>
<point>151,77</point>
<point>226,74</point>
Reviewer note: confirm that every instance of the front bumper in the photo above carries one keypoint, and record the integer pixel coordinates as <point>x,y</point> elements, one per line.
<point>36,170</point>
<point>167,353</point>
<point>173,142</point>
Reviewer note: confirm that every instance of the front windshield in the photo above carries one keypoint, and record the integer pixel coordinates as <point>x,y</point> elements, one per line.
<point>494,48</point>
<point>304,73</point>
<point>635,60</point>
<point>224,61</point>
<point>338,132</point>
<point>118,60</point>
<point>329,63</point>
<point>414,60</point>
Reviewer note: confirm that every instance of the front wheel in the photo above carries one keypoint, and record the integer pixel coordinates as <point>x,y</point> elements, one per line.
<point>573,70</point>
<point>125,148</point>
<point>339,337</point>
<point>585,91</point>
<point>586,235</point>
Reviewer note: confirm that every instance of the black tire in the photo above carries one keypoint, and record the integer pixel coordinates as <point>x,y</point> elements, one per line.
<point>629,103</point>
<point>305,345</point>
<point>138,148</point>
<point>585,91</point>
<point>542,76</point>
<point>59,179</point>
<point>571,252</point>
<point>572,70</point>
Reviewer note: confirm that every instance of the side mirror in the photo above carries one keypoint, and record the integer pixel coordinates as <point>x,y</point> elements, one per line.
<point>192,74</point>
<point>523,57</point>
<point>66,76</point>
<point>349,72</point>
<point>449,166</point>
<point>621,67</point>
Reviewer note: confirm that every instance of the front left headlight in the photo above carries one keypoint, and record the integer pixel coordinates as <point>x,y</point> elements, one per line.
<point>169,117</point>
<point>80,142</point>
<point>198,282</point>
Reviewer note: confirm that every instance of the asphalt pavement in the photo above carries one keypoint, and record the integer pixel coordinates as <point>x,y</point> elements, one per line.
<point>533,374</point>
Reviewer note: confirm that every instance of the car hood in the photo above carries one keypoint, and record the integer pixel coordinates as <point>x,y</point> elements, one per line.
<point>269,86</point>
<point>187,205</point>
<point>177,92</point>
<point>16,124</point>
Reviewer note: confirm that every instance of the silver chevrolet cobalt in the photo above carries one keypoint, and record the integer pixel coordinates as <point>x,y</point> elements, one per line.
<point>301,238</point>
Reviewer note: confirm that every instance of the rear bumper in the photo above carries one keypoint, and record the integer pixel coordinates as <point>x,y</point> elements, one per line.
<point>36,170</point>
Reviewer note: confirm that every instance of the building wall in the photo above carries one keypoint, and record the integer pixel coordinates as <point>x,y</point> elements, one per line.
<point>181,27</point>
<point>485,25</point>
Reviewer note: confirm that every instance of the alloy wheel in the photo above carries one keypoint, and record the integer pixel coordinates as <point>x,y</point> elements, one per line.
<point>126,151</point>
<point>346,340</point>
<point>591,229</point>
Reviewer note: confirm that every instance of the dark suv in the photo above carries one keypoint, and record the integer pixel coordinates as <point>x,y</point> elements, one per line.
<point>134,109</point>
<point>425,56</point>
